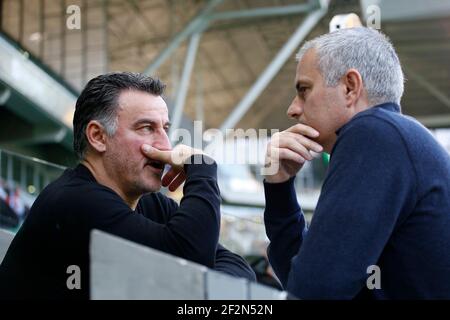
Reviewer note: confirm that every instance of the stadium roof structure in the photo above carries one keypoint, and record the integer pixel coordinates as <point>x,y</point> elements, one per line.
<point>229,63</point>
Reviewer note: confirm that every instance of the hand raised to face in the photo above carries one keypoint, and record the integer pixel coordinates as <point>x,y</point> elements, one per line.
<point>176,158</point>
<point>288,150</point>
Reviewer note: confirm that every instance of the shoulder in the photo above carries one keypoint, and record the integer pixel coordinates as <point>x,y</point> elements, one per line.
<point>376,144</point>
<point>72,198</point>
<point>370,131</point>
<point>81,193</point>
<point>376,128</point>
<point>380,122</point>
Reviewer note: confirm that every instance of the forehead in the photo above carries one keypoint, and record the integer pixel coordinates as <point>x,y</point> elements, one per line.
<point>137,104</point>
<point>307,68</point>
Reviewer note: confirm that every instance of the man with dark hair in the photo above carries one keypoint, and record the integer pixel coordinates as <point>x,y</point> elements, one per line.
<point>120,136</point>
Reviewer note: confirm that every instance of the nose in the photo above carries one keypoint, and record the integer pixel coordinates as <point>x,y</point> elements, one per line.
<point>161,141</point>
<point>295,110</point>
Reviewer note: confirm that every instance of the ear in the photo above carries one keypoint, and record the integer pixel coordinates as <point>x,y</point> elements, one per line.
<point>353,84</point>
<point>96,135</point>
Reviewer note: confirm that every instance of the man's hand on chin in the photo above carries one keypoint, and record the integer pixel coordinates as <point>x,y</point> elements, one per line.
<point>288,151</point>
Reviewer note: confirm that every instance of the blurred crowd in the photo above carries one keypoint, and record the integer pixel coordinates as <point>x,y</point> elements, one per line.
<point>13,207</point>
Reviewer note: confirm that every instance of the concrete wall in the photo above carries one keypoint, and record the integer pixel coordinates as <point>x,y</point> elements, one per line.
<point>121,269</point>
<point>5,240</point>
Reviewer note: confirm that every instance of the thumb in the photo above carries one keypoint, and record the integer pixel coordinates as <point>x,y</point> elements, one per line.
<point>155,154</point>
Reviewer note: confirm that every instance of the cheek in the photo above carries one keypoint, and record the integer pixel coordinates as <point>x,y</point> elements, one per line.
<point>135,146</point>
<point>319,113</point>
<point>130,146</point>
<point>314,110</point>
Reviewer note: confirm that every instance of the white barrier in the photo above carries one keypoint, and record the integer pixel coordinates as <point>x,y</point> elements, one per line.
<point>6,238</point>
<point>220,286</point>
<point>121,269</point>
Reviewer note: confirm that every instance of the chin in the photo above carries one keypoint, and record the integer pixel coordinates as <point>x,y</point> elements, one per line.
<point>151,183</point>
<point>153,187</point>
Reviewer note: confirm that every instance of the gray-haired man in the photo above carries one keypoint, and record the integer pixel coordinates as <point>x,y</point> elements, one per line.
<point>381,228</point>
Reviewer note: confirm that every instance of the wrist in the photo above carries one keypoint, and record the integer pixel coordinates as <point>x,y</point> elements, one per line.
<point>277,178</point>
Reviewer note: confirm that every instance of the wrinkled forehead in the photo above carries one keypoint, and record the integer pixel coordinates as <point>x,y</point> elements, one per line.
<point>137,104</point>
<point>307,66</point>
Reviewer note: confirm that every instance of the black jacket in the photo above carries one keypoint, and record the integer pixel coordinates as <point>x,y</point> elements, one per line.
<point>56,233</point>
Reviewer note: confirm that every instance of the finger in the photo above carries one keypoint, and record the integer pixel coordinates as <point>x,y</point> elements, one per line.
<point>304,130</point>
<point>170,176</point>
<point>280,154</point>
<point>291,142</point>
<point>177,182</point>
<point>294,145</point>
<point>155,154</point>
<point>308,143</point>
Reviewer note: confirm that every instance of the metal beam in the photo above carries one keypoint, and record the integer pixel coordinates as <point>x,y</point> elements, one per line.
<point>62,39</point>
<point>21,21</point>
<point>436,121</point>
<point>263,12</point>
<point>105,35</point>
<point>185,81</point>
<point>41,28</point>
<point>407,10</point>
<point>1,18</point>
<point>84,41</point>
<point>272,69</point>
<point>143,19</point>
<point>198,24</point>
<point>435,92</point>
<point>36,136</point>
<point>4,96</point>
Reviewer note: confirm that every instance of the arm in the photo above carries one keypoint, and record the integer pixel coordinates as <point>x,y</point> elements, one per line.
<point>225,260</point>
<point>232,264</point>
<point>369,185</point>
<point>285,226</point>
<point>192,230</point>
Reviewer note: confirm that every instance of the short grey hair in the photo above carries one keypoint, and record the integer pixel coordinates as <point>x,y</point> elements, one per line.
<point>366,50</point>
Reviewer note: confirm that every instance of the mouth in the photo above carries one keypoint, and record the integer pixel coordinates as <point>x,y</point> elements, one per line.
<point>155,164</point>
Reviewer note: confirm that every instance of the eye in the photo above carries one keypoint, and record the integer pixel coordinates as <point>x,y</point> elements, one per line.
<point>147,128</point>
<point>301,91</point>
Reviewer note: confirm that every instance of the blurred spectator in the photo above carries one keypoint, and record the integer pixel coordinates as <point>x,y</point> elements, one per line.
<point>8,218</point>
<point>12,207</point>
<point>3,193</point>
<point>17,204</point>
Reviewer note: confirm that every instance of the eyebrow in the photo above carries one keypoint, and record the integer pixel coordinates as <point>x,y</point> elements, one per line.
<point>150,121</point>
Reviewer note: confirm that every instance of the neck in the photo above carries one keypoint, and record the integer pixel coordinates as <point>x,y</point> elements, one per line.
<point>101,176</point>
<point>329,146</point>
<point>359,106</point>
